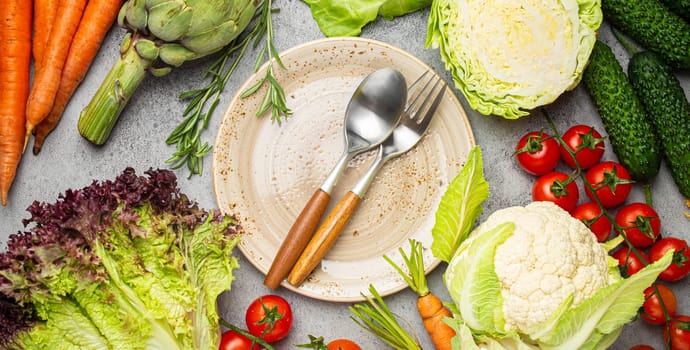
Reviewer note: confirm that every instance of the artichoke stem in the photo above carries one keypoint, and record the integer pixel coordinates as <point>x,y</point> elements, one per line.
<point>97,119</point>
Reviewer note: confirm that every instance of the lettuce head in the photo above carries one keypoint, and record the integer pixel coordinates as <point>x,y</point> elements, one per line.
<point>509,57</point>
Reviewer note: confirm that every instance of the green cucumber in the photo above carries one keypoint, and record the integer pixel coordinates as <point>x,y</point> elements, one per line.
<point>679,7</point>
<point>629,130</point>
<point>664,100</point>
<point>653,26</point>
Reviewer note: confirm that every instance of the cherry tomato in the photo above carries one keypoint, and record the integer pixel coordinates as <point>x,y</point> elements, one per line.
<point>537,153</point>
<point>269,317</point>
<point>556,187</point>
<point>680,267</point>
<point>677,333</point>
<point>591,215</point>
<point>640,224</point>
<point>629,261</point>
<point>611,182</point>
<point>642,347</point>
<point>343,344</point>
<point>653,309</point>
<point>586,143</point>
<point>231,340</point>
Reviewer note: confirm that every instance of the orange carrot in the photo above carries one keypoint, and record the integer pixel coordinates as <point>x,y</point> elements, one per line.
<point>15,60</point>
<point>47,77</point>
<point>44,16</point>
<point>429,306</point>
<point>97,20</point>
<point>433,312</point>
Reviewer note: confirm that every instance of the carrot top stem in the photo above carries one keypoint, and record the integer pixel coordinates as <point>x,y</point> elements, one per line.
<point>97,119</point>
<point>416,278</point>
<point>377,318</point>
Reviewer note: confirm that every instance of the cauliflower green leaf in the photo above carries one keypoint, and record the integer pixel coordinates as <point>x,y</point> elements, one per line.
<point>460,207</point>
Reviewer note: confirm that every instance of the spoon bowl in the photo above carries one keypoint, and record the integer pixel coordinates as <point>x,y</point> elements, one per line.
<point>374,110</point>
<point>371,116</point>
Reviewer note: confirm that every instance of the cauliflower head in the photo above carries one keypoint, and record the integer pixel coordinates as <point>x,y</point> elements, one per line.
<point>549,258</point>
<point>538,275</point>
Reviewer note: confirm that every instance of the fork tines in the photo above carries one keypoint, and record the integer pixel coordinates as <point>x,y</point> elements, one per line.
<point>425,93</point>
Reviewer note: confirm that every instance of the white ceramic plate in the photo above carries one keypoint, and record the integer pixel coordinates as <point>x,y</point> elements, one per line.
<point>265,173</point>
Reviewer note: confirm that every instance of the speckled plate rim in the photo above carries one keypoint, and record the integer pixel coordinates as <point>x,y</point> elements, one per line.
<point>222,172</point>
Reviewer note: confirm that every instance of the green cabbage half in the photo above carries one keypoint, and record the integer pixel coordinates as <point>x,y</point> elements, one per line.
<point>507,56</point>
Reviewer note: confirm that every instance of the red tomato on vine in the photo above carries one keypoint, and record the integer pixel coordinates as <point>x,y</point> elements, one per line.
<point>630,262</point>
<point>556,187</point>
<point>680,267</point>
<point>591,215</point>
<point>677,333</point>
<point>231,340</point>
<point>269,317</point>
<point>585,142</point>
<point>537,153</point>
<point>640,223</point>
<point>611,182</point>
<point>660,301</point>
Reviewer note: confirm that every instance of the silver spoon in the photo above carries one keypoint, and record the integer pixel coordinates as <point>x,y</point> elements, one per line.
<point>413,125</point>
<point>371,115</point>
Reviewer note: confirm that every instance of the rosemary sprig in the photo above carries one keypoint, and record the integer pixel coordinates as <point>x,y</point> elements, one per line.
<point>190,150</point>
<point>274,99</point>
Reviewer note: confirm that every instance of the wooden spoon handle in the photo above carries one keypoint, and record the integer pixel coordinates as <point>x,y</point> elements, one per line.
<point>297,238</point>
<point>324,238</point>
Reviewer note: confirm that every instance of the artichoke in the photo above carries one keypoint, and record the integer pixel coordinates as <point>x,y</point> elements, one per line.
<point>161,35</point>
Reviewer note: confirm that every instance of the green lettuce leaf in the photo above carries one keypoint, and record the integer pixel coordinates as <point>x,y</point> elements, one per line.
<point>460,207</point>
<point>347,18</point>
<point>210,264</point>
<point>124,264</point>
<point>74,329</point>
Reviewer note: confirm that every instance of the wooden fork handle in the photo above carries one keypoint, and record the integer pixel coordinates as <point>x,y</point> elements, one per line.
<point>297,238</point>
<point>323,239</point>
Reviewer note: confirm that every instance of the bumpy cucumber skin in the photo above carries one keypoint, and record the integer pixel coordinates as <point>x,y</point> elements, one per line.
<point>653,26</point>
<point>679,7</point>
<point>629,130</point>
<point>664,99</point>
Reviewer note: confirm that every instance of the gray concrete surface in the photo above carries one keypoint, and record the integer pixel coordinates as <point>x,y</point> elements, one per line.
<point>68,161</point>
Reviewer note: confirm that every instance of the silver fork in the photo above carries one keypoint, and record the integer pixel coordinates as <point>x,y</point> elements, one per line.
<point>425,96</point>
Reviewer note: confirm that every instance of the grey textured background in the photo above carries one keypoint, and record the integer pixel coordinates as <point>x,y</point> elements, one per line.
<point>68,161</point>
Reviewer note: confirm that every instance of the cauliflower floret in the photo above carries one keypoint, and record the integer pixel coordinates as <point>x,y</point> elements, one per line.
<point>549,257</point>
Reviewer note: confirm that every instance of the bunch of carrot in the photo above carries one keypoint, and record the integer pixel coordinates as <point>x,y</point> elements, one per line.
<point>66,37</point>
